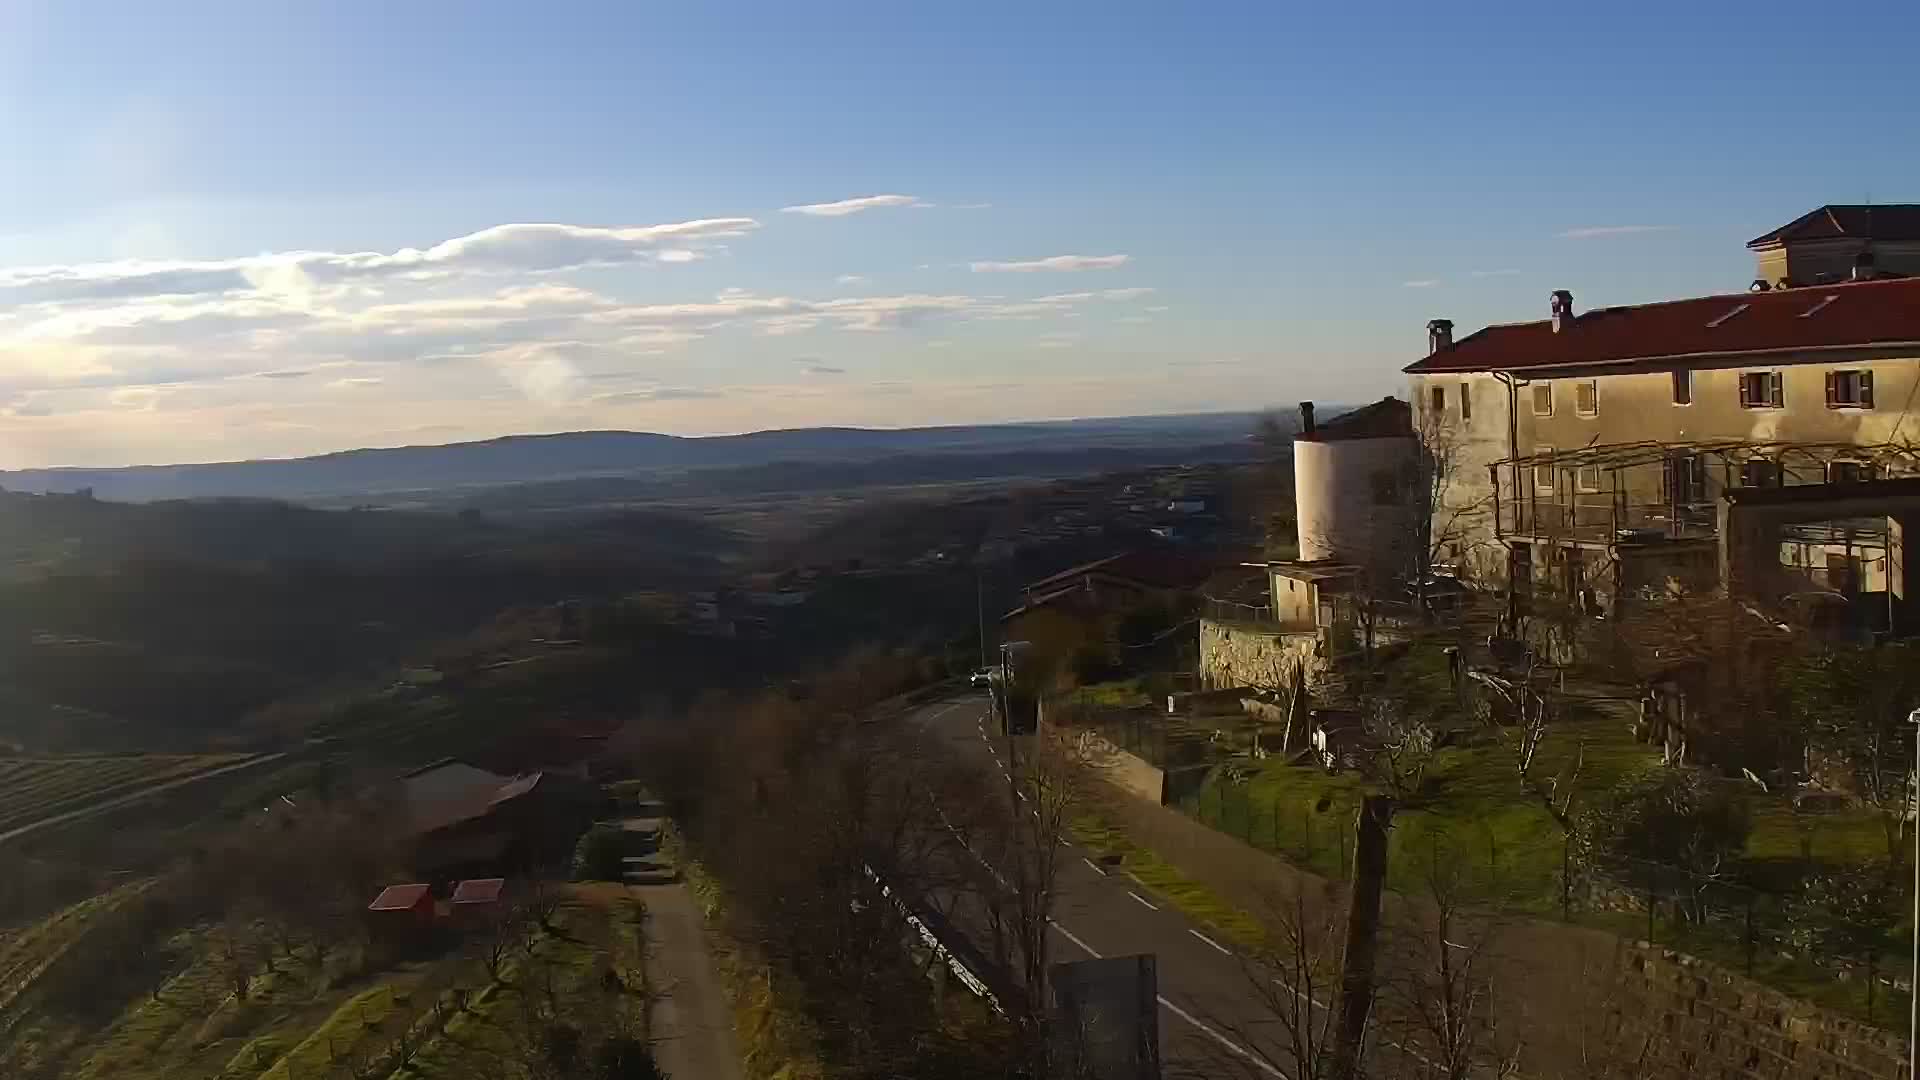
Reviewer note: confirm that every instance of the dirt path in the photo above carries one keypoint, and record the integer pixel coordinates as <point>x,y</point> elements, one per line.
<point>693,1036</point>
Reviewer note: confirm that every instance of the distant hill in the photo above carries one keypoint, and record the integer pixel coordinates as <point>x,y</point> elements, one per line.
<point>524,459</point>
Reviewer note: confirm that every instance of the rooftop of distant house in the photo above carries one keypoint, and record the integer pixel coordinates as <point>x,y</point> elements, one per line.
<point>1783,324</point>
<point>478,891</point>
<point>1387,418</point>
<point>399,897</point>
<point>1895,222</point>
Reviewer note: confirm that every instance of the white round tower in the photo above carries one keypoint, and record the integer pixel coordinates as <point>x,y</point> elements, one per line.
<point>1351,485</point>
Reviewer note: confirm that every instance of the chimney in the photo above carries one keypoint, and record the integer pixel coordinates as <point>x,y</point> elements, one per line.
<point>1306,418</point>
<point>1863,267</point>
<point>1439,335</point>
<point>1562,308</point>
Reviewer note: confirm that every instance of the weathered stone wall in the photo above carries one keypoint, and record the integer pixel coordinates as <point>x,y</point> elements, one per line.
<point>1245,654</point>
<point>1683,1017</point>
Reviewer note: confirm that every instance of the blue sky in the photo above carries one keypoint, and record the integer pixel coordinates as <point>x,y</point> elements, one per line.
<point>262,230</point>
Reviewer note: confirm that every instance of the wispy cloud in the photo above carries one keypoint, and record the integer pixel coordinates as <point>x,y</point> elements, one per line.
<point>822,369</point>
<point>851,279</point>
<point>1065,263</point>
<point>1420,283</point>
<point>1592,231</point>
<point>1057,341</point>
<point>659,393</point>
<point>1503,272</point>
<point>502,249</point>
<point>854,206</point>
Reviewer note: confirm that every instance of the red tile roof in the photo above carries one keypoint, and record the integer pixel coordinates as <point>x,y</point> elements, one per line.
<point>1856,314</point>
<point>1156,569</point>
<point>478,890</point>
<point>399,898</point>
<point>1384,419</point>
<point>1894,221</point>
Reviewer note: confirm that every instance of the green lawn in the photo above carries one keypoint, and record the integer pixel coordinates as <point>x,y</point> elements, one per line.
<point>1473,810</point>
<point>1162,878</point>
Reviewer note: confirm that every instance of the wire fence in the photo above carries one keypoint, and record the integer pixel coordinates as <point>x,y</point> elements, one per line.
<point>1755,932</point>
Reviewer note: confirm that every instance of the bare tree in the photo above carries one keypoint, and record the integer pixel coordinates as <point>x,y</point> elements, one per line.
<point>1441,993</point>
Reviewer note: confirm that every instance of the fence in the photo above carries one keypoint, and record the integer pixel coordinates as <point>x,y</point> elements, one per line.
<point>1748,930</point>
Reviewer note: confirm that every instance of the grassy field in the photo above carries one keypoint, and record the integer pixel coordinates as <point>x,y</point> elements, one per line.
<point>308,1016</point>
<point>32,788</point>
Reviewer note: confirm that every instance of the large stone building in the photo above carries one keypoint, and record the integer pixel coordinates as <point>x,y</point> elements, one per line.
<point>1764,441</point>
<point>1839,243</point>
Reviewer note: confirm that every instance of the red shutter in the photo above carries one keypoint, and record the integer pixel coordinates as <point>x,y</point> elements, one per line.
<point>1866,389</point>
<point>1833,389</point>
<point>1779,389</point>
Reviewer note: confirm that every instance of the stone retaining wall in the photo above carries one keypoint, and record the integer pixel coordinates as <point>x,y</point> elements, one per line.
<point>1682,1017</point>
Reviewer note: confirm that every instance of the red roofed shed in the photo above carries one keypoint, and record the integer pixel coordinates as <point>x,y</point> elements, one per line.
<point>400,908</point>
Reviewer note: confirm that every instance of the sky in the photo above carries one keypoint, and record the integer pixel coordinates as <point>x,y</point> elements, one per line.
<point>267,229</point>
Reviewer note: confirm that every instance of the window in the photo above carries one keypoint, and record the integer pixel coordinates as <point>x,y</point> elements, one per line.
<point>1543,471</point>
<point>1849,389</point>
<point>1762,390</point>
<point>1760,473</point>
<point>1586,398</point>
<point>1840,471</point>
<point>1439,397</point>
<point>1683,388</point>
<point>1587,478</point>
<point>1685,480</point>
<point>1543,399</point>
<point>1466,403</point>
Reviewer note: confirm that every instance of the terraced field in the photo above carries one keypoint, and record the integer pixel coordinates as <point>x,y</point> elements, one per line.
<point>32,788</point>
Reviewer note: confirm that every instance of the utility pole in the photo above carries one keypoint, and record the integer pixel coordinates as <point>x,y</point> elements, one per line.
<point>1355,1002</point>
<point>980,606</point>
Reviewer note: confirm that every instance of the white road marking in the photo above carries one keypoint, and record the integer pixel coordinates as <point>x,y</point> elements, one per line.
<point>1143,900</point>
<point>1232,1046</point>
<point>1183,1014</point>
<point>1093,866</point>
<point>1210,941</point>
<point>1068,934</point>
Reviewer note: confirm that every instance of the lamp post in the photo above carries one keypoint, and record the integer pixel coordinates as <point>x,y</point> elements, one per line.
<point>1913,977</point>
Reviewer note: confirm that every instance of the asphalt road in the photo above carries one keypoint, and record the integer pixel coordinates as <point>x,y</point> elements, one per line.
<point>1212,1023</point>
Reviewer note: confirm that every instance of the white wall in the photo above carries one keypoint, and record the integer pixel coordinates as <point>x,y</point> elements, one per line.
<point>1339,493</point>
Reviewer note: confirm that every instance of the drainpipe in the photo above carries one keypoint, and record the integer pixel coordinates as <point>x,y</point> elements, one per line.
<point>1513,386</point>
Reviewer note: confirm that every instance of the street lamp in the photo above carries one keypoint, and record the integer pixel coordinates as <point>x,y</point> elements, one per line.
<point>1913,977</point>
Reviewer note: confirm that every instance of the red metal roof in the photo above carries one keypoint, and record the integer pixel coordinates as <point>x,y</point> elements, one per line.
<point>478,890</point>
<point>1854,314</point>
<point>399,898</point>
<point>1893,221</point>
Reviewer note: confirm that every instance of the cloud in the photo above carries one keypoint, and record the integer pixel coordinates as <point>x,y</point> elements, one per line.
<point>1057,341</point>
<point>822,369</point>
<point>1592,231</point>
<point>1134,320</point>
<point>502,249</point>
<point>850,279</point>
<point>1064,263</point>
<point>1505,272</point>
<point>355,383</point>
<point>659,393</point>
<point>854,206</point>
<point>1155,308</point>
<point>1422,283</point>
